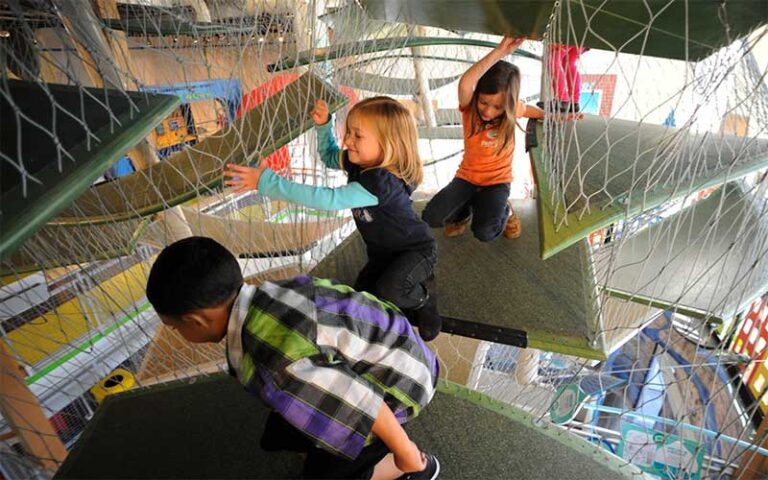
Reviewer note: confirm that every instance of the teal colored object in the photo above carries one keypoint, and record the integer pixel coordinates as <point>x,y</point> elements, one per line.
<point>662,454</point>
<point>567,403</point>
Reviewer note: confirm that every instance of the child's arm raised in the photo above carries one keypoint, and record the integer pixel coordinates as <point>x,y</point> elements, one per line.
<point>472,76</point>
<point>352,195</point>
<point>326,143</point>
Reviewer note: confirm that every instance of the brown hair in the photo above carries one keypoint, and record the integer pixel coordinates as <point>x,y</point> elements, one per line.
<point>502,77</point>
<point>395,130</point>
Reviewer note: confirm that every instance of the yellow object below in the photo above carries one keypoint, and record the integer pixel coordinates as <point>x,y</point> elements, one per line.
<point>119,380</point>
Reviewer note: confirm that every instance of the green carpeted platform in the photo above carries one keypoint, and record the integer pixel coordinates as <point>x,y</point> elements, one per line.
<point>709,260</point>
<point>443,132</point>
<point>384,85</point>
<point>260,132</point>
<point>65,137</point>
<point>61,245</point>
<point>502,291</point>
<point>661,28</point>
<point>210,428</point>
<point>609,169</point>
<point>343,50</point>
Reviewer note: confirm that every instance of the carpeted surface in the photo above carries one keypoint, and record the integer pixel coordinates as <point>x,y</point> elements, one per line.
<point>694,260</point>
<point>210,428</point>
<point>502,287</point>
<point>603,170</point>
<point>653,27</point>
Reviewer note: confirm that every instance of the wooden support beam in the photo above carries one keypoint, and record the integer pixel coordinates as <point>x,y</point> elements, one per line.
<point>753,465</point>
<point>24,414</point>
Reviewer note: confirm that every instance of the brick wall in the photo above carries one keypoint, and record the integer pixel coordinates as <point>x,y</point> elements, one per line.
<point>605,83</point>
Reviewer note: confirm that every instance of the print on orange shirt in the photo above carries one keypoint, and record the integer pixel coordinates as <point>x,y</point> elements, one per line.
<point>480,165</point>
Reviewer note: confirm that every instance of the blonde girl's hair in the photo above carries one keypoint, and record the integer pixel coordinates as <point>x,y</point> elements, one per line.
<point>505,78</point>
<point>395,130</point>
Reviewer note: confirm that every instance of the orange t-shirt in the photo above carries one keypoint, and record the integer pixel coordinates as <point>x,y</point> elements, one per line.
<point>480,165</point>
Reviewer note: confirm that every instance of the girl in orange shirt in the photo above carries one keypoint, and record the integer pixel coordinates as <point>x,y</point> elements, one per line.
<point>489,102</point>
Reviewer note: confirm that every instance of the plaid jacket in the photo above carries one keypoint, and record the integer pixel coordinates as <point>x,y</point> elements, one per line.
<point>325,356</point>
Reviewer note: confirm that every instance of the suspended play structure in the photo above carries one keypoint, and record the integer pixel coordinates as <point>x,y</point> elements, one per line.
<point>624,334</point>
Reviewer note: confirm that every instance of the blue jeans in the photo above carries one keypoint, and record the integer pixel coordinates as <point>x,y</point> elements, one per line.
<point>460,199</point>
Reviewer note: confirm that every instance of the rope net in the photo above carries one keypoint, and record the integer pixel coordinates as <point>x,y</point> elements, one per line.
<point>664,180</point>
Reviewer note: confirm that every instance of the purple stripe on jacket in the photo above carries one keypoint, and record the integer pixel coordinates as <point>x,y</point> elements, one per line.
<point>307,419</point>
<point>383,319</point>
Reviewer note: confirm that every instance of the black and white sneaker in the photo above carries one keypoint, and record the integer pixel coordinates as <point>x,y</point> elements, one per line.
<point>430,472</point>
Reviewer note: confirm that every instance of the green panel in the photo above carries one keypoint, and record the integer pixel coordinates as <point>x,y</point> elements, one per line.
<point>372,46</point>
<point>351,23</point>
<point>387,85</point>
<point>260,132</point>
<point>91,129</point>
<point>608,170</point>
<point>444,132</point>
<point>538,451</point>
<point>708,260</point>
<point>210,428</point>
<point>62,245</point>
<point>503,287</point>
<point>662,28</point>
<point>369,60</point>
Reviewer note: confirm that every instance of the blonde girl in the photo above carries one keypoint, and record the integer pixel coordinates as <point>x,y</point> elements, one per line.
<point>489,101</point>
<point>383,168</point>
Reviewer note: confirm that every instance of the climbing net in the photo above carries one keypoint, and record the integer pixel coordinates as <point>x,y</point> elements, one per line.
<point>662,184</point>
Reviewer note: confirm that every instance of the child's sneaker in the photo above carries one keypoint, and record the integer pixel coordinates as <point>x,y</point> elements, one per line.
<point>430,472</point>
<point>427,318</point>
<point>513,228</point>
<point>455,229</point>
<point>429,322</point>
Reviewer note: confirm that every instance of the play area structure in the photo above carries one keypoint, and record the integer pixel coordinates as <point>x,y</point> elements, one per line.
<point>623,335</point>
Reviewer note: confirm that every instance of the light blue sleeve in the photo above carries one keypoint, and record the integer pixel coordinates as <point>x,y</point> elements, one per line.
<point>326,145</point>
<point>352,195</point>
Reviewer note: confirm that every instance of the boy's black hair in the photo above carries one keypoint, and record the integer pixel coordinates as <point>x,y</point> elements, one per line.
<point>193,273</point>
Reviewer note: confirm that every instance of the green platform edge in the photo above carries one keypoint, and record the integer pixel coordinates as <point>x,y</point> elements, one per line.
<point>602,25</point>
<point>124,250</point>
<point>556,433</point>
<point>23,225</point>
<point>714,319</point>
<point>567,344</point>
<point>372,46</point>
<point>182,27</point>
<point>553,242</point>
<point>553,432</point>
<point>189,195</point>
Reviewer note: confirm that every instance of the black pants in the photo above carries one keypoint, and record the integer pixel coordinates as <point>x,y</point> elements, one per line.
<point>459,199</point>
<point>400,278</point>
<point>281,435</point>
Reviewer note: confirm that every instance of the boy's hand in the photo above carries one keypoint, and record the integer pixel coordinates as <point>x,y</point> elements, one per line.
<point>320,114</point>
<point>410,459</point>
<point>510,44</point>
<point>243,178</point>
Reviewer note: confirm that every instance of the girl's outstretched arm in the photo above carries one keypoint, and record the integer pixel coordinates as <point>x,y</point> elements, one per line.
<point>472,76</point>
<point>352,195</point>
<point>532,111</point>
<point>326,143</point>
